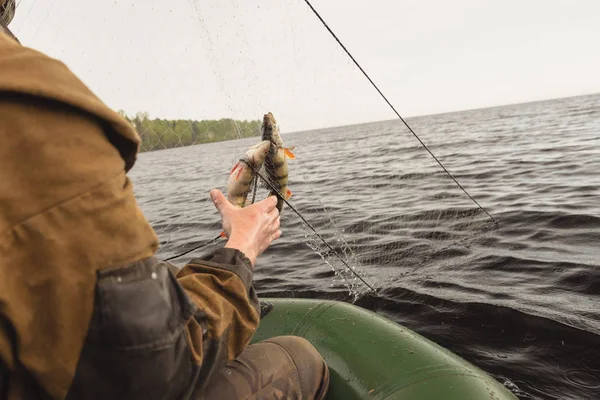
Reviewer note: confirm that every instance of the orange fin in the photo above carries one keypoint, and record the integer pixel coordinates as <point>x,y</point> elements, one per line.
<point>288,194</point>
<point>234,168</point>
<point>223,235</point>
<point>289,154</point>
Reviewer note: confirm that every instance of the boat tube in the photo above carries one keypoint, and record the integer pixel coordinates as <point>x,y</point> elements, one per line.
<point>371,357</point>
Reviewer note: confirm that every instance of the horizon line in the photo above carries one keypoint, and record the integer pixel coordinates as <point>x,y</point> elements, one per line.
<point>373,121</point>
<point>447,112</point>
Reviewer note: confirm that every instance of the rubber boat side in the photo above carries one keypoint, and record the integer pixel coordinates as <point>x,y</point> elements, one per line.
<point>370,357</point>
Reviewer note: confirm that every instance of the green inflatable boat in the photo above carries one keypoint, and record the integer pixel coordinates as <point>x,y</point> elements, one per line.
<point>371,357</point>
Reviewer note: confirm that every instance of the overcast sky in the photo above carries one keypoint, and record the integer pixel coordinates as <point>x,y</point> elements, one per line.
<point>241,58</point>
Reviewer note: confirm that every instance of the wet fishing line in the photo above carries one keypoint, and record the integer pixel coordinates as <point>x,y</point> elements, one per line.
<point>273,188</point>
<point>196,8</point>
<point>194,249</point>
<point>396,112</point>
<point>255,183</point>
<point>200,246</point>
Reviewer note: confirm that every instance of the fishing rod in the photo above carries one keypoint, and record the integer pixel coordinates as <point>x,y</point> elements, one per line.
<point>396,112</point>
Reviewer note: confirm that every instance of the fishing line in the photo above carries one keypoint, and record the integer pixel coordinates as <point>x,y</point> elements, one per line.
<point>307,224</point>
<point>195,248</point>
<point>272,187</point>
<point>255,183</point>
<point>396,112</point>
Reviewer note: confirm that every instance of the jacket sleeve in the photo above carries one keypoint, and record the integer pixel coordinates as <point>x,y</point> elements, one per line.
<point>153,335</point>
<point>220,286</point>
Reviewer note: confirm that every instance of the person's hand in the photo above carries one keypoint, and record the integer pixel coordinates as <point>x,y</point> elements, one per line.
<point>250,229</point>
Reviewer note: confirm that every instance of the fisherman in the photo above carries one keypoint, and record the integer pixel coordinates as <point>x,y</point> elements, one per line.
<point>86,310</point>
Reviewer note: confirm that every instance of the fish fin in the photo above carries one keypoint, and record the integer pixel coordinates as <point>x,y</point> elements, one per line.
<point>289,154</point>
<point>288,194</point>
<point>223,235</point>
<point>234,168</point>
<point>239,172</point>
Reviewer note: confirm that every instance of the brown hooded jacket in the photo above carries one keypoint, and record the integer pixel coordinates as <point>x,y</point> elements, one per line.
<point>86,310</point>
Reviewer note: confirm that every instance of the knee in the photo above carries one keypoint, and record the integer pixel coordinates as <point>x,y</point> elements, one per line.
<point>311,367</point>
<point>299,349</point>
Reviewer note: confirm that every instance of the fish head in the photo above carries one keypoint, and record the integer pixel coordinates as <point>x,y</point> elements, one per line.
<point>269,120</point>
<point>256,154</point>
<point>270,130</point>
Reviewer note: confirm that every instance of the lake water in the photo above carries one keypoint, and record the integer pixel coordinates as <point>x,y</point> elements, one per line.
<point>520,299</point>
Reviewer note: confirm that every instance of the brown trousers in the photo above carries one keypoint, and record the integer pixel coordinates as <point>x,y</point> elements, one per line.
<point>284,367</point>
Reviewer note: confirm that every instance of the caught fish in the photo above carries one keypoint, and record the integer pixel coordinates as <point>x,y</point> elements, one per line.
<point>242,176</point>
<point>276,161</point>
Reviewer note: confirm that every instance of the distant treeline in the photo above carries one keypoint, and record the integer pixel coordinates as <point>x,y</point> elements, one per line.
<point>160,134</point>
